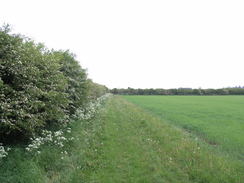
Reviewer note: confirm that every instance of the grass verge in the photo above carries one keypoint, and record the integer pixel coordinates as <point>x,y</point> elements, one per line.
<point>70,164</point>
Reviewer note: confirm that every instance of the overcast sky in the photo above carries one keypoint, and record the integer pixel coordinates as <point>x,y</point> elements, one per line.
<point>138,43</point>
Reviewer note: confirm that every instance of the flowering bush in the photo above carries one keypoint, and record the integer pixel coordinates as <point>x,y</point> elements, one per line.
<point>32,88</point>
<point>91,108</point>
<point>58,138</point>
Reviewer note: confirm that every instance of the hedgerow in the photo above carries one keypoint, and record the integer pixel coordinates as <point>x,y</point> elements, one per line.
<point>57,138</point>
<point>39,88</point>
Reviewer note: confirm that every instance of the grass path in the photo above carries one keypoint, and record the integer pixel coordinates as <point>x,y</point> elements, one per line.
<point>138,147</point>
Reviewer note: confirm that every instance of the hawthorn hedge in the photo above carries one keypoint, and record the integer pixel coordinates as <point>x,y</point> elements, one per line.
<point>39,88</point>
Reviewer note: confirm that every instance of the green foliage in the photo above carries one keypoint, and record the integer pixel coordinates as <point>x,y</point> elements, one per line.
<point>32,87</point>
<point>77,89</point>
<point>39,88</point>
<point>96,90</point>
<point>179,91</point>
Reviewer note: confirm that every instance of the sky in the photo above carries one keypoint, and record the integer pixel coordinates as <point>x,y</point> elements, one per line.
<point>140,43</point>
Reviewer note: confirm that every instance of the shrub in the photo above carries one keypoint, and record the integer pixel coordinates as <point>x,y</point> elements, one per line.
<point>39,88</point>
<point>95,90</point>
<point>77,89</point>
<point>32,88</point>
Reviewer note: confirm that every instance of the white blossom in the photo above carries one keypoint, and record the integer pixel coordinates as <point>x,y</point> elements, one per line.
<point>57,138</point>
<point>3,151</point>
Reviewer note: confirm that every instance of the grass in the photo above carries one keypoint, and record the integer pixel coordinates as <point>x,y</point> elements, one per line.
<point>123,144</point>
<point>51,166</point>
<point>218,120</point>
<point>139,147</point>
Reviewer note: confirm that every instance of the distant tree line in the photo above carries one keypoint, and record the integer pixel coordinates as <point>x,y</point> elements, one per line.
<point>39,88</point>
<point>178,91</point>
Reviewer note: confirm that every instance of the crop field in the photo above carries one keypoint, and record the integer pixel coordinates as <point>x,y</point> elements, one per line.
<point>216,120</point>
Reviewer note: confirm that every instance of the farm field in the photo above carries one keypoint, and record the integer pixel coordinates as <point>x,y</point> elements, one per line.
<point>217,120</point>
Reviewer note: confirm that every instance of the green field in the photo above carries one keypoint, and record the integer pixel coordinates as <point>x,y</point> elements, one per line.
<point>140,147</point>
<point>217,120</point>
<point>124,143</point>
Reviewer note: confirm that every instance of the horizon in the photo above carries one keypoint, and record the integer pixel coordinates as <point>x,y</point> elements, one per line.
<point>183,88</point>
